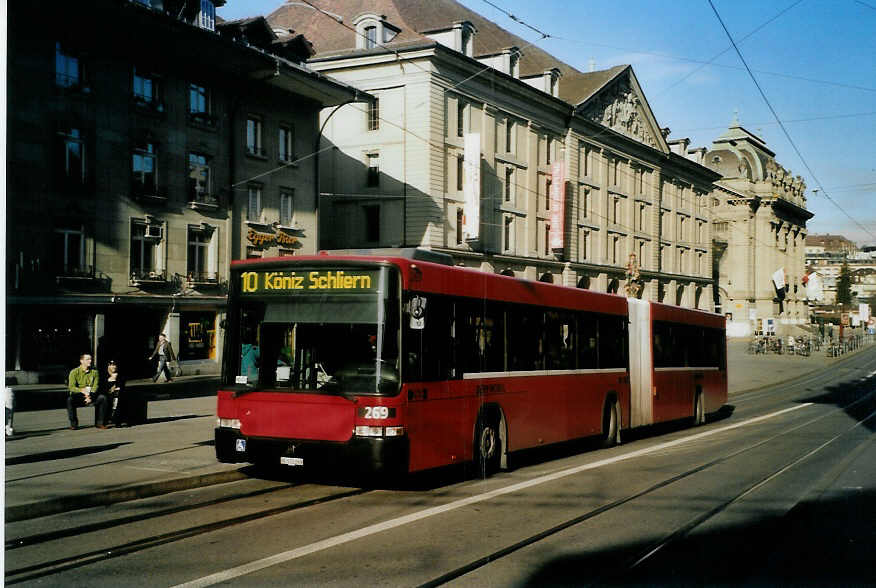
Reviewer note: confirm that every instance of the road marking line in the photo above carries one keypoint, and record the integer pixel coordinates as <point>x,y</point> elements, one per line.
<point>298,552</point>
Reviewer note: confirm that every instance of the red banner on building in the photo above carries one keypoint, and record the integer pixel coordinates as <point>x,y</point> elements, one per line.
<point>558,203</point>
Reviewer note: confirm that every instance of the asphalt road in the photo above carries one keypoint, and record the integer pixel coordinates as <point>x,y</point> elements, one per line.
<point>777,489</point>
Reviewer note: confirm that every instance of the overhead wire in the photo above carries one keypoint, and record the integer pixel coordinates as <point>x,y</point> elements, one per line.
<point>782,126</point>
<point>610,224</point>
<point>720,53</point>
<point>547,35</point>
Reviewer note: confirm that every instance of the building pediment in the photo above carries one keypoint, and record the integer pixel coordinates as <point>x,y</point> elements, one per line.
<point>620,105</point>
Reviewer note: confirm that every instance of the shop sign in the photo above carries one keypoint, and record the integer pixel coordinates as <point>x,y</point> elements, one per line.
<point>260,239</point>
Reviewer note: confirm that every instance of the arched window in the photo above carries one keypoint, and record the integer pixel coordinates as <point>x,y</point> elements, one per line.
<point>584,283</point>
<point>547,278</point>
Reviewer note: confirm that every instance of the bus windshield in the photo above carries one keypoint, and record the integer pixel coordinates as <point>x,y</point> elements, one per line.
<point>329,341</point>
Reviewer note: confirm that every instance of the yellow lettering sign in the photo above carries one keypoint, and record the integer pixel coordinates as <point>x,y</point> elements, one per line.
<point>280,281</point>
<point>268,239</point>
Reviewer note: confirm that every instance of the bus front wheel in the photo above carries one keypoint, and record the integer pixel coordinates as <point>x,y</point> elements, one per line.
<point>488,446</point>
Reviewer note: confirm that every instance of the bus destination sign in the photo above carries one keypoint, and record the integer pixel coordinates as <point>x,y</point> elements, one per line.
<point>291,282</point>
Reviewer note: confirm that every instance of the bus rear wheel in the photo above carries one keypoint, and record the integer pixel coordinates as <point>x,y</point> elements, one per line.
<point>488,446</point>
<point>699,410</point>
<point>610,424</point>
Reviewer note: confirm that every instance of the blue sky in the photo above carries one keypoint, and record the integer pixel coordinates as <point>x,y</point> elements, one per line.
<point>814,60</point>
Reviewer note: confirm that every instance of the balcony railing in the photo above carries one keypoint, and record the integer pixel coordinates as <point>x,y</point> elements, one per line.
<point>148,276</point>
<point>73,182</point>
<point>71,83</point>
<point>148,192</point>
<point>149,103</point>
<point>210,278</point>
<point>75,272</point>
<point>204,119</point>
<point>202,200</point>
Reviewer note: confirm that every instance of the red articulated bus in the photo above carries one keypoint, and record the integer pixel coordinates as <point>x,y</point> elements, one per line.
<point>402,362</point>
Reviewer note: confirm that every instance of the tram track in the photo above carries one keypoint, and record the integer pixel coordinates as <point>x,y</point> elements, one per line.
<point>652,550</point>
<point>25,573</point>
<point>686,529</point>
<point>31,572</point>
<point>38,538</point>
<point>866,357</point>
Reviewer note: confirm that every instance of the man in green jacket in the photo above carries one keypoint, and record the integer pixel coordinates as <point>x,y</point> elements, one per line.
<point>82,387</point>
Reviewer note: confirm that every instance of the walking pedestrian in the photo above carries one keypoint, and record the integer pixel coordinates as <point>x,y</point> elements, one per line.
<point>10,407</point>
<point>164,351</point>
<point>81,384</point>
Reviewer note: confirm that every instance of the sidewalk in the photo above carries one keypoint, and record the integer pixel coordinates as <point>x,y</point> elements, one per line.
<point>51,469</point>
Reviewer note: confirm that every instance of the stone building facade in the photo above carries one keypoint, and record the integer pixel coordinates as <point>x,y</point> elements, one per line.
<point>759,228</point>
<point>485,147</point>
<point>148,145</point>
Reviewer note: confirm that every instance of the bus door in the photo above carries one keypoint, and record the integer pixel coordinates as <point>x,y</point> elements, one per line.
<point>641,408</point>
<point>432,411</point>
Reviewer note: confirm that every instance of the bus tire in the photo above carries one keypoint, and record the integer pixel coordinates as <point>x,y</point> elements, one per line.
<point>610,423</point>
<point>699,409</point>
<point>488,445</point>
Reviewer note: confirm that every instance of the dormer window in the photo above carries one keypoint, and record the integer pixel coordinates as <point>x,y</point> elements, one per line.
<point>514,67</point>
<point>552,82</point>
<point>463,37</point>
<point>548,82</point>
<point>372,30</point>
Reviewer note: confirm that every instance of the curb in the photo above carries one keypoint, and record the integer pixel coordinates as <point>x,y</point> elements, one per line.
<point>33,510</point>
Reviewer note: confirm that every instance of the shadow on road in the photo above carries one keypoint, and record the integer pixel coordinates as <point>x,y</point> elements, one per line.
<point>857,398</point>
<point>175,418</point>
<point>62,454</point>
<point>819,543</point>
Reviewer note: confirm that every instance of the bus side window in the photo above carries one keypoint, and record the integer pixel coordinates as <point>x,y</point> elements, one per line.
<point>662,345</point>
<point>525,338</point>
<point>559,335</point>
<point>480,336</point>
<point>612,342</point>
<point>587,350</point>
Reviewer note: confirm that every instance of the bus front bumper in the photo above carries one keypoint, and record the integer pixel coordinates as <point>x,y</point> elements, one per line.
<point>359,454</point>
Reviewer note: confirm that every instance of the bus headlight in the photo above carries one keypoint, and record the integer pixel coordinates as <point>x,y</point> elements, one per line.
<point>229,423</point>
<point>394,431</point>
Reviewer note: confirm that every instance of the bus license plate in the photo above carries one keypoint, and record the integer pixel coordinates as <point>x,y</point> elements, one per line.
<point>292,461</point>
